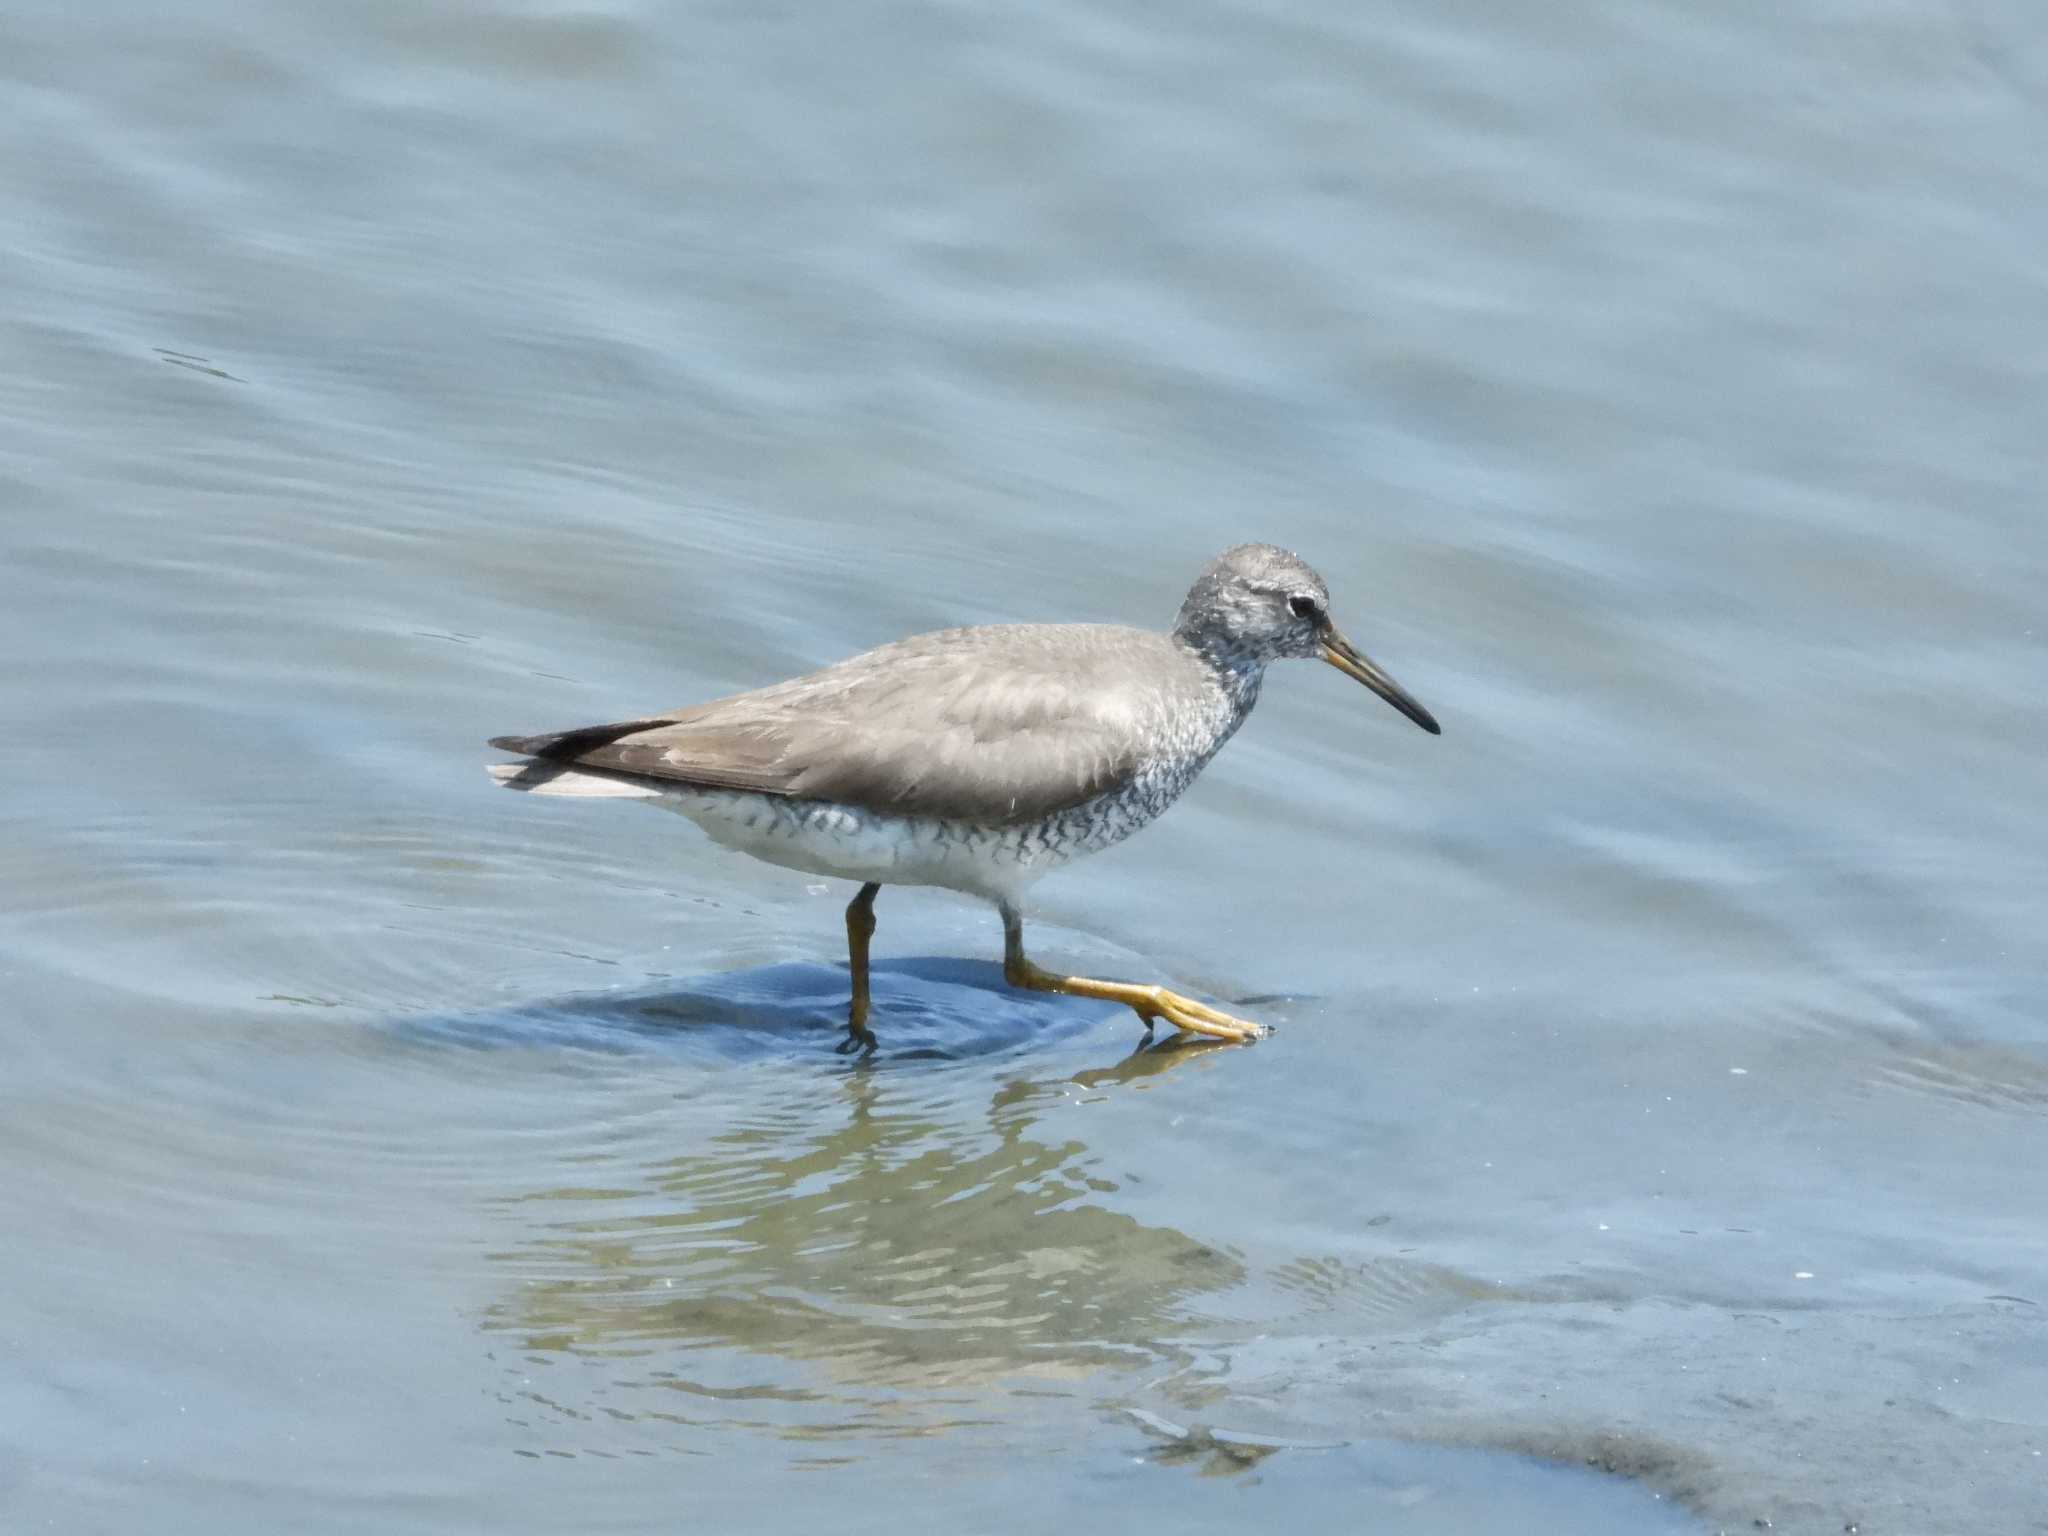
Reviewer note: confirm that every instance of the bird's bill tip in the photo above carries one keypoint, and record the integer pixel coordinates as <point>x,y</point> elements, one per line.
<point>1354,663</point>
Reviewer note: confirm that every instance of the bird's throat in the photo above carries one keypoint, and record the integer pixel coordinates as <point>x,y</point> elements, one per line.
<point>1238,672</point>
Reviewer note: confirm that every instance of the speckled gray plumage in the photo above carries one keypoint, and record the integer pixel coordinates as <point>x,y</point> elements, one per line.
<point>1000,725</point>
<point>1032,742</point>
<point>976,760</point>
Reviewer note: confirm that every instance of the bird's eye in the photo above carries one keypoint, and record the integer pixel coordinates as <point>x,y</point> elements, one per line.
<point>1301,605</point>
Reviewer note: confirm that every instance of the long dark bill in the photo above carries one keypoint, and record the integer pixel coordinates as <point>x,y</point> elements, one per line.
<point>1352,662</point>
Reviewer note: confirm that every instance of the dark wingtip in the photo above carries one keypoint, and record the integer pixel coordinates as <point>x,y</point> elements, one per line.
<point>566,746</point>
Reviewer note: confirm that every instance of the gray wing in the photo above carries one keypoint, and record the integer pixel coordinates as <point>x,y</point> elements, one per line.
<point>1000,724</point>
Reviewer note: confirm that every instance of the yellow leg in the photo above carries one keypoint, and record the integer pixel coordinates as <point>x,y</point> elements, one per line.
<point>860,927</point>
<point>1150,1003</point>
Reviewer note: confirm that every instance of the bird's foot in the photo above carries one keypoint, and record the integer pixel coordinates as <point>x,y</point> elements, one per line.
<point>1185,1013</point>
<point>859,1041</point>
<point>1150,1003</point>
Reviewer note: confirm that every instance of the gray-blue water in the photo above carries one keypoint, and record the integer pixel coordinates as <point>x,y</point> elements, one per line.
<point>1654,1137</point>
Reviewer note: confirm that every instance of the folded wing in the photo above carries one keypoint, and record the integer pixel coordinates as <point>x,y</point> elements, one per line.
<point>1001,724</point>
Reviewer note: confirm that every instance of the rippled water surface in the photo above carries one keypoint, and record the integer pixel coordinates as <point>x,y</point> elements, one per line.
<point>1653,1138</point>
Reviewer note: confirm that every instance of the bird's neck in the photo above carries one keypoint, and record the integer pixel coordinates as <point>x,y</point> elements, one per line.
<point>1237,670</point>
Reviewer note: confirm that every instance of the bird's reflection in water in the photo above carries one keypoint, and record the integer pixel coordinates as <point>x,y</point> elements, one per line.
<point>1209,1452</point>
<point>1150,1058</point>
<point>850,1252</point>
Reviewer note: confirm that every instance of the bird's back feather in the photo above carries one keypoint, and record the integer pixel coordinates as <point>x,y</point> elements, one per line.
<point>996,724</point>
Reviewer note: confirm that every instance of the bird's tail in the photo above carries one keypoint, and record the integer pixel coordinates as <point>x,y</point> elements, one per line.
<point>544,778</point>
<point>552,771</point>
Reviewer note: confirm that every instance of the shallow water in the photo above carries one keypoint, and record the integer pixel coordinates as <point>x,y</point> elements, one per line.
<point>1652,1138</point>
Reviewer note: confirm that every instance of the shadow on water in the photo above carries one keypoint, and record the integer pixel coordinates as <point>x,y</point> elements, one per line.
<point>791,1249</point>
<point>815,1245</point>
<point>839,1260</point>
<point>930,1009</point>
<point>841,1254</point>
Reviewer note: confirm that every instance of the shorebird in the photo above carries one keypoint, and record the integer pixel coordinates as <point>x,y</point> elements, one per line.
<point>975,759</point>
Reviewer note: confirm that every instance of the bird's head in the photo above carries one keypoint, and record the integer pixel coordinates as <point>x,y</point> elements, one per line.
<point>1259,603</point>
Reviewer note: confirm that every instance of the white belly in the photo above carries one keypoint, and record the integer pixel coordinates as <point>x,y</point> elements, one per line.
<point>847,844</point>
<point>844,843</point>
